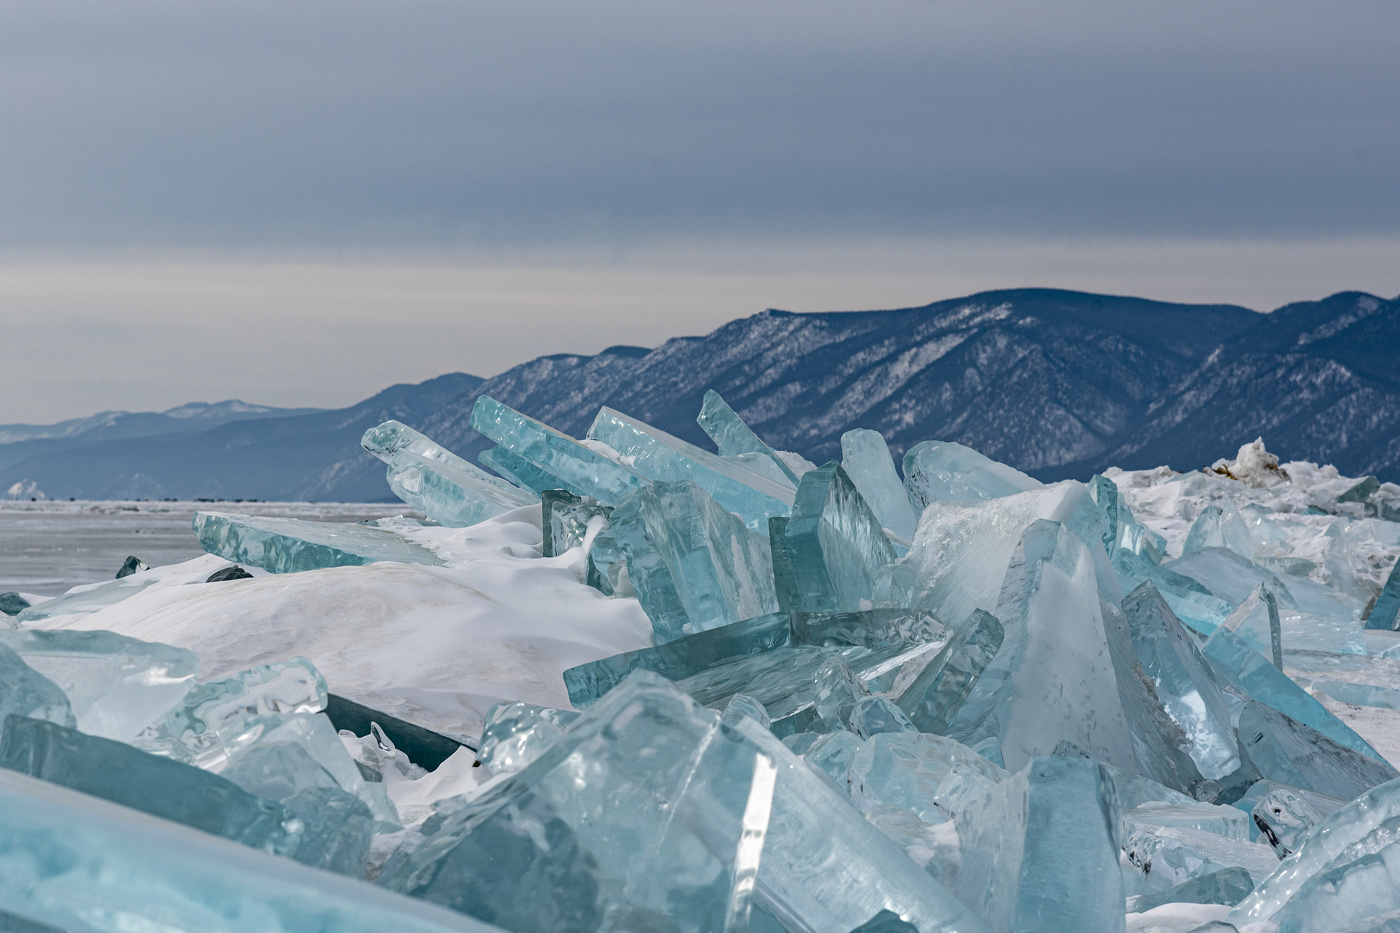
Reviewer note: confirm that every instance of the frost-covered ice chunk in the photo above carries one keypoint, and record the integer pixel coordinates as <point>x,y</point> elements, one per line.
<point>831,554</point>
<point>288,545</point>
<point>1038,850</point>
<point>75,852</point>
<point>517,733</point>
<point>437,482</point>
<point>581,470</point>
<point>85,599</point>
<point>692,565</point>
<point>1255,621</point>
<point>1226,886</point>
<point>866,459</point>
<point>942,471</point>
<point>929,775</point>
<point>658,456</point>
<point>1220,526</point>
<point>117,772</point>
<point>1173,855</point>
<point>875,715</point>
<point>1183,682</point>
<point>26,692</point>
<point>734,438</point>
<point>1289,752</point>
<point>116,686</point>
<point>934,697</point>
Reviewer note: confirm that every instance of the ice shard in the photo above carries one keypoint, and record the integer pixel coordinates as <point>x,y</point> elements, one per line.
<point>1123,532</point>
<point>692,565</point>
<point>1285,814</point>
<point>85,599</point>
<point>929,775</point>
<point>566,519</point>
<point>117,772</point>
<point>1233,659</point>
<point>1173,855</point>
<point>1362,827</point>
<point>95,866</point>
<point>1289,752</point>
<point>1357,895</point>
<point>437,482</point>
<point>337,830</point>
<point>1226,886</point>
<point>834,549</point>
<point>116,686</point>
<point>517,470</point>
<point>876,715</point>
<point>581,470</point>
<point>289,545</point>
<point>831,754</point>
<point>743,705</point>
<point>1359,694</point>
<point>26,692</point>
<point>1038,850</point>
<point>734,438</point>
<point>658,456</point>
<point>1256,623</point>
<point>1053,679</point>
<point>1183,682</point>
<point>942,471</point>
<point>866,459</point>
<point>1219,526</point>
<point>934,697</point>
<point>515,734</point>
<point>1385,614</point>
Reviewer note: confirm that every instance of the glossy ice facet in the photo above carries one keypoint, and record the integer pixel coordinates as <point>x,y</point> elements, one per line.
<point>942,471</point>
<point>1172,855</point>
<point>734,438</point>
<point>516,734</point>
<point>565,519</point>
<point>937,693</point>
<point>86,599</point>
<point>1219,526</point>
<point>26,692</point>
<point>1256,623</point>
<point>288,545</point>
<point>1385,614</point>
<point>518,471</point>
<point>436,481</point>
<point>1226,886</point>
<point>875,715</point>
<point>1289,752</point>
<point>866,459</point>
<point>929,775</point>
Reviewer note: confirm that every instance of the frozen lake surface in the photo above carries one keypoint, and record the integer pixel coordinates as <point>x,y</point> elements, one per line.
<point>48,547</point>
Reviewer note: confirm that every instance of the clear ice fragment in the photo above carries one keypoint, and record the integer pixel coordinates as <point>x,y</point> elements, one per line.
<point>835,552</point>
<point>875,715</point>
<point>86,599</point>
<point>1285,814</point>
<point>831,754</point>
<point>117,772</point>
<point>581,470</point>
<point>437,482</point>
<point>942,471</point>
<point>116,686</point>
<point>866,459</point>
<point>1359,694</point>
<point>1385,614</point>
<point>1285,750</point>
<point>517,470</point>
<point>288,545</point>
<point>337,830</point>
<point>516,734</point>
<point>1256,623</point>
<point>1219,526</point>
<point>132,564</point>
<point>565,519</point>
<point>1173,855</point>
<point>1226,886</point>
<point>734,438</point>
<point>743,705</point>
<point>26,692</point>
<point>1360,892</point>
<point>651,452</point>
<point>929,775</point>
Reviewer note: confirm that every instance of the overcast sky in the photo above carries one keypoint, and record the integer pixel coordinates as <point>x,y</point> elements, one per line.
<point>301,203</point>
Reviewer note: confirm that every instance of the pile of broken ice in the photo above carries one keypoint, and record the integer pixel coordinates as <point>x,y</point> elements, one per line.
<point>961,701</point>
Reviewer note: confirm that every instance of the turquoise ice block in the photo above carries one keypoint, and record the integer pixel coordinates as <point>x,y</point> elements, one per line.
<point>289,545</point>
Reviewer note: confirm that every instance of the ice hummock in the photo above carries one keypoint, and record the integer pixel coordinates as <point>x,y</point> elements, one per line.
<point>807,699</point>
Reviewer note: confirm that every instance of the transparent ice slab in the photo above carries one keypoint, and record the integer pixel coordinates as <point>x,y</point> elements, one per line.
<point>581,470</point>
<point>942,471</point>
<point>1226,886</point>
<point>875,715</point>
<point>288,545</point>
<point>1285,815</point>
<point>437,482</point>
<point>934,697</point>
<point>337,830</point>
<point>1256,622</point>
<point>1360,894</point>
<point>116,686</point>
<point>929,775</point>
<point>1038,850</point>
<point>658,456</point>
<point>692,565</point>
<point>517,470</point>
<point>1359,694</point>
<point>1285,750</point>
<point>169,789</point>
<point>515,734</point>
<point>831,554</point>
<point>1123,531</point>
<point>565,519</point>
<point>26,692</point>
<point>1385,614</point>
<point>866,459</point>
<point>1183,682</point>
<point>1220,525</point>
<point>88,599</point>
<point>734,438</point>
<point>78,862</point>
<point>1172,855</point>
<point>831,754</point>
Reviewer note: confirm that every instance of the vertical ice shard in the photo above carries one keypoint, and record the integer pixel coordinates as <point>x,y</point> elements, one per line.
<point>1183,682</point>
<point>116,686</point>
<point>1255,621</point>
<point>1219,526</point>
<point>93,865</point>
<point>517,470</point>
<point>1362,827</point>
<point>1054,678</point>
<point>934,697</point>
<point>289,545</point>
<point>1289,752</point>
<point>437,482</point>
<point>1230,657</point>
<point>929,775</point>
<point>658,456</point>
<point>26,692</point>
<point>835,549</point>
<point>734,438</point>
<point>866,459</point>
<point>1385,614</point>
<point>125,775</point>
<point>580,469</point>
<point>942,471</point>
<point>693,565</point>
<point>1038,850</point>
<point>515,734</point>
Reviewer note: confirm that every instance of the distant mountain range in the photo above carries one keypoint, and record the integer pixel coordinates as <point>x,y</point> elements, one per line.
<point>1057,383</point>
